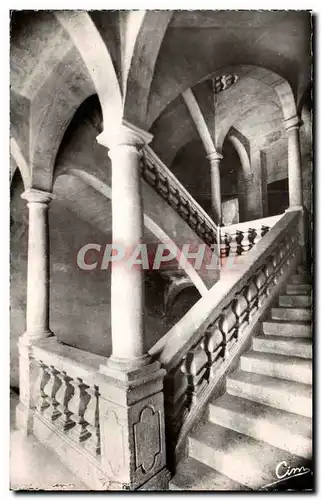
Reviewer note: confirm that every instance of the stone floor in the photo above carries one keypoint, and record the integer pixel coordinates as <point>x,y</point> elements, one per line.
<point>33,466</point>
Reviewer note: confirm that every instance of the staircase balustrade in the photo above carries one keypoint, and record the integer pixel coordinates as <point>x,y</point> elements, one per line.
<point>160,178</point>
<point>68,404</point>
<point>197,351</point>
<point>66,401</point>
<point>237,239</point>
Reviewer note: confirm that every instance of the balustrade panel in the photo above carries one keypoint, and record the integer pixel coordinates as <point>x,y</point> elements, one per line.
<point>70,405</point>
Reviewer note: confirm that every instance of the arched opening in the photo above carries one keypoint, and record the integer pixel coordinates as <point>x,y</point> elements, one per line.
<point>231,179</point>
<point>192,168</point>
<point>277,197</point>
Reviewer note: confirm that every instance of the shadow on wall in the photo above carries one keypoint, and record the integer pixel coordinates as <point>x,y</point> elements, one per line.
<point>182,304</point>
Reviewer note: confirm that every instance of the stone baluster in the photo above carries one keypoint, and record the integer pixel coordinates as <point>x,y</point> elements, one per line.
<point>195,368</point>
<point>239,308</point>
<point>264,230</point>
<point>269,273</point>
<point>42,380</point>
<point>77,406</point>
<point>225,245</point>
<point>260,282</point>
<point>176,406</point>
<point>252,234</point>
<point>50,389</point>
<point>63,395</point>
<point>91,417</point>
<point>215,347</point>
<point>239,242</point>
<point>251,295</point>
<point>233,244</point>
<point>228,326</point>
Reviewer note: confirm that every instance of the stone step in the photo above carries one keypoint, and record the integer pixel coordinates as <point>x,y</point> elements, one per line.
<point>295,301</point>
<point>279,428</point>
<point>278,393</point>
<point>298,329</point>
<point>240,457</point>
<point>277,365</point>
<point>293,346</point>
<point>304,289</point>
<point>291,314</point>
<point>194,475</point>
<point>299,279</point>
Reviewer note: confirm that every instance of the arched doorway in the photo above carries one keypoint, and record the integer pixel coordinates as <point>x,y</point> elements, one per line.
<point>192,168</point>
<point>233,207</point>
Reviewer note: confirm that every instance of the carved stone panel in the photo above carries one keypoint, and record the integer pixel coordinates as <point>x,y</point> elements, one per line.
<point>147,439</point>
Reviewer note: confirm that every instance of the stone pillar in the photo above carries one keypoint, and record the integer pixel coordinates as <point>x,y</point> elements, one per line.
<point>214,159</point>
<point>131,391</point>
<point>37,300</point>
<point>292,126</point>
<point>38,265</point>
<point>127,295</point>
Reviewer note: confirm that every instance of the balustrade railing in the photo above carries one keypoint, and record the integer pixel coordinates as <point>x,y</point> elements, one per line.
<point>240,238</point>
<point>198,349</point>
<point>66,393</point>
<point>158,176</point>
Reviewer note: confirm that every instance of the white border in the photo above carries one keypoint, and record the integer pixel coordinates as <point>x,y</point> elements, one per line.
<point>315,6</point>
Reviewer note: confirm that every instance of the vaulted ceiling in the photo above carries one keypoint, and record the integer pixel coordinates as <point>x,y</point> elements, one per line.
<point>139,63</point>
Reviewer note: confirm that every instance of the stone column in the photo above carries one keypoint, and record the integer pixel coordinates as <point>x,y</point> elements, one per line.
<point>127,294</point>
<point>292,126</point>
<point>37,300</point>
<point>131,391</point>
<point>214,159</point>
<point>38,265</point>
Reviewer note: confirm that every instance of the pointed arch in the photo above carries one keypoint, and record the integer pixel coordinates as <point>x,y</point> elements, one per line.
<point>141,71</point>
<point>241,145</point>
<point>97,59</point>
<point>20,163</point>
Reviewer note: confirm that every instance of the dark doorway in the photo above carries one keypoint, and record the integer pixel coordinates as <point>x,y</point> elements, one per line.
<point>277,197</point>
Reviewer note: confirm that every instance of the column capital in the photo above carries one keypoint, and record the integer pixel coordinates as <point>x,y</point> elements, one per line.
<point>214,156</point>
<point>37,196</point>
<point>292,123</point>
<point>125,134</point>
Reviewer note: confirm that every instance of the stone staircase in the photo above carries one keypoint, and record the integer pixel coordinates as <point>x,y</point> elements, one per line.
<point>264,418</point>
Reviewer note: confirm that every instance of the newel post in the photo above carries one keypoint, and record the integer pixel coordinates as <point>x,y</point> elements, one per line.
<point>131,388</point>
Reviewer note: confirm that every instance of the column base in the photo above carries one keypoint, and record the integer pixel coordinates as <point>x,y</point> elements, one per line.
<point>127,365</point>
<point>29,338</point>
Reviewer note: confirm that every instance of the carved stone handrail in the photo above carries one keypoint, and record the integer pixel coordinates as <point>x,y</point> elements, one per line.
<point>157,175</point>
<point>197,351</point>
<point>239,238</point>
